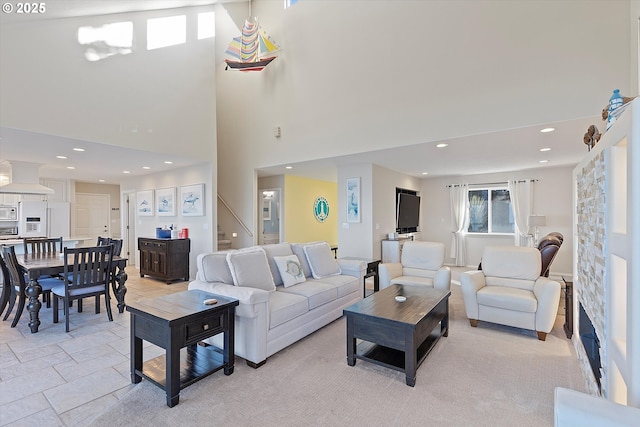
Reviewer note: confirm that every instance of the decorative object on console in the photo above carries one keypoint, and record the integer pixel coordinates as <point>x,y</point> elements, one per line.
<point>166,201</point>
<point>144,203</point>
<point>353,199</point>
<point>192,200</point>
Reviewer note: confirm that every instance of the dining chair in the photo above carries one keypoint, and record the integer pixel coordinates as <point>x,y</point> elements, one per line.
<point>6,285</point>
<point>88,273</point>
<point>117,248</point>
<point>43,246</point>
<point>17,284</point>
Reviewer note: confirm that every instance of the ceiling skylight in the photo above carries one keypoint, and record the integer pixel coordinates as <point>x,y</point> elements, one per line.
<point>169,31</point>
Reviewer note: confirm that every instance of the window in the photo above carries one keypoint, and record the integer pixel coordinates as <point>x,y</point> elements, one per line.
<point>163,32</point>
<point>490,211</point>
<point>107,40</point>
<point>206,25</point>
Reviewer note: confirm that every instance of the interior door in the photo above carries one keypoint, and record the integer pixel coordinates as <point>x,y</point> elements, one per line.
<point>270,216</point>
<point>92,215</point>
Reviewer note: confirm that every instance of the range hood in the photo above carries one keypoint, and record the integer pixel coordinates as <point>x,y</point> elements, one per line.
<point>24,179</point>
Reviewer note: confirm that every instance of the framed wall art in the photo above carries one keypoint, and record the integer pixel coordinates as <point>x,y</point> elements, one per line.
<point>192,200</point>
<point>144,203</point>
<point>353,199</point>
<point>166,201</point>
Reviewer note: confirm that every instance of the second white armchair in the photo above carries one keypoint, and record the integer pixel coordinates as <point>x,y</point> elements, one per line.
<point>421,263</point>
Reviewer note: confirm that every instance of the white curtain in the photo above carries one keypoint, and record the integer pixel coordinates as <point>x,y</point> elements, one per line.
<point>459,220</point>
<point>522,201</point>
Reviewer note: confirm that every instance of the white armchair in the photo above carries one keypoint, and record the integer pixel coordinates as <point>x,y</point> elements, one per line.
<point>510,291</point>
<point>421,263</point>
<point>573,408</point>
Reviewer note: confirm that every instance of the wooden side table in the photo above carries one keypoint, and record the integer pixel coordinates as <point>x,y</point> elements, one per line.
<point>372,271</point>
<point>568,307</point>
<point>174,322</point>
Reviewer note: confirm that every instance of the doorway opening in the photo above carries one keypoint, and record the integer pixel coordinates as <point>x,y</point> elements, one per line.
<point>270,216</point>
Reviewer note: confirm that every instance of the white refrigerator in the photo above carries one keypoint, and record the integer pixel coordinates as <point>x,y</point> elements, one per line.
<point>44,219</point>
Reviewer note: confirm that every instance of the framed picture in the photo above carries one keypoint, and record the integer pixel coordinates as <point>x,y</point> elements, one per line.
<point>166,201</point>
<point>144,203</point>
<point>353,199</point>
<point>192,200</point>
<point>266,210</point>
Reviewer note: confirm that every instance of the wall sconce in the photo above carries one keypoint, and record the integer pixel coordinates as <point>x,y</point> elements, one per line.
<point>537,221</point>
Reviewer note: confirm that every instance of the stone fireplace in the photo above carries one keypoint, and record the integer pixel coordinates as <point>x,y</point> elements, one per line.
<point>606,238</point>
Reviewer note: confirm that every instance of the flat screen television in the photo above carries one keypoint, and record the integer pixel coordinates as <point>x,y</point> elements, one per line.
<point>408,213</point>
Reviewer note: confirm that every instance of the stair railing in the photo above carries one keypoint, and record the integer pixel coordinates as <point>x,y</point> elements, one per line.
<point>226,205</point>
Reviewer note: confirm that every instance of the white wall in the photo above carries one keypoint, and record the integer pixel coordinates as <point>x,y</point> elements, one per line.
<point>201,228</point>
<point>552,197</point>
<point>355,239</point>
<point>349,80</point>
<point>155,100</point>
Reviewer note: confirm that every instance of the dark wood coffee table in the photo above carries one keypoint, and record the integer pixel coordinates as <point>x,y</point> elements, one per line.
<point>174,322</point>
<point>397,335</point>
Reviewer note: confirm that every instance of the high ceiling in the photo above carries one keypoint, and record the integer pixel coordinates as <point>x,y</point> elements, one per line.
<point>512,149</point>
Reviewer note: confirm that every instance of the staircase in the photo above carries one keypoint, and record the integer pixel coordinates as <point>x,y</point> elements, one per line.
<point>223,243</point>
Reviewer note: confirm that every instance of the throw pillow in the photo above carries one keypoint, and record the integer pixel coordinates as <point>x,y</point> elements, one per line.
<point>290,270</point>
<point>298,249</point>
<point>214,267</point>
<point>321,260</point>
<point>250,268</point>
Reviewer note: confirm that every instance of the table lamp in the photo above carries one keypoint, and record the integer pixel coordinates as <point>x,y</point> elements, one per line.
<point>536,221</point>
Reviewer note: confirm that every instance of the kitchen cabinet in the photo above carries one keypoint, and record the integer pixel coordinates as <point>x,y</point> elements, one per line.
<point>166,259</point>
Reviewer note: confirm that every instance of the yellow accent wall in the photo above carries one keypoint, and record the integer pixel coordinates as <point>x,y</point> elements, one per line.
<point>300,223</point>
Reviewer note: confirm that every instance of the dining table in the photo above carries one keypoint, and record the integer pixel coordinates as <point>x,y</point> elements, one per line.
<point>36,265</point>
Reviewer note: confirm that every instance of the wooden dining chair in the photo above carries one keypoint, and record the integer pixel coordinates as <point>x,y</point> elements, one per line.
<point>44,246</point>
<point>17,284</point>
<point>6,285</point>
<point>88,273</point>
<point>117,248</point>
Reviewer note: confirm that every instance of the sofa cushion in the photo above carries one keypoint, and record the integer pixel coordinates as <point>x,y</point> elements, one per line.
<point>298,249</point>
<point>321,260</point>
<point>272,251</point>
<point>423,255</point>
<point>343,283</point>
<point>289,270</point>
<point>317,293</point>
<point>250,268</point>
<point>214,267</point>
<point>508,298</point>
<point>285,306</point>
<point>412,280</point>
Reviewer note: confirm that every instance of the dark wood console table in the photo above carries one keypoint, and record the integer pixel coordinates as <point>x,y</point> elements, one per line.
<point>178,321</point>
<point>166,259</point>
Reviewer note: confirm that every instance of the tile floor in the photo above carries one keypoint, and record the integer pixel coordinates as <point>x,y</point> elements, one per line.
<point>53,378</point>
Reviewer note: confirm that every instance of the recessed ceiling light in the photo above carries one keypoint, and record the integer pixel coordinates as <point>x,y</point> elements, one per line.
<point>168,162</point>
<point>61,157</point>
<point>101,180</point>
<point>146,167</point>
<point>442,145</point>
<point>71,167</point>
<point>544,161</point>
<point>425,173</point>
<point>78,149</point>
<point>545,130</point>
<point>288,167</point>
<point>126,172</point>
<point>545,149</point>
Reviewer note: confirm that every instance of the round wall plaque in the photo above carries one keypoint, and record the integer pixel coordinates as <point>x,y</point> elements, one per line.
<point>321,209</point>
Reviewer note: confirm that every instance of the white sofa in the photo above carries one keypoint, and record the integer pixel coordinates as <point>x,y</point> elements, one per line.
<point>421,263</point>
<point>510,291</point>
<point>573,408</point>
<point>272,316</point>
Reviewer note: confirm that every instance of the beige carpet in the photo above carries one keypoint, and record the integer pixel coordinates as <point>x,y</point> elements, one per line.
<point>485,376</point>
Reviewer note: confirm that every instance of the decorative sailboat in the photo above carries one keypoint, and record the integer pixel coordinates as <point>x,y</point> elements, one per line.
<point>253,50</point>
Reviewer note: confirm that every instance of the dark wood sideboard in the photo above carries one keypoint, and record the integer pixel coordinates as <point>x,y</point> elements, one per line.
<point>166,259</point>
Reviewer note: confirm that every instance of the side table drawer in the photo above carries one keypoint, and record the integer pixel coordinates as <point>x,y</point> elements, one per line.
<point>204,328</point>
